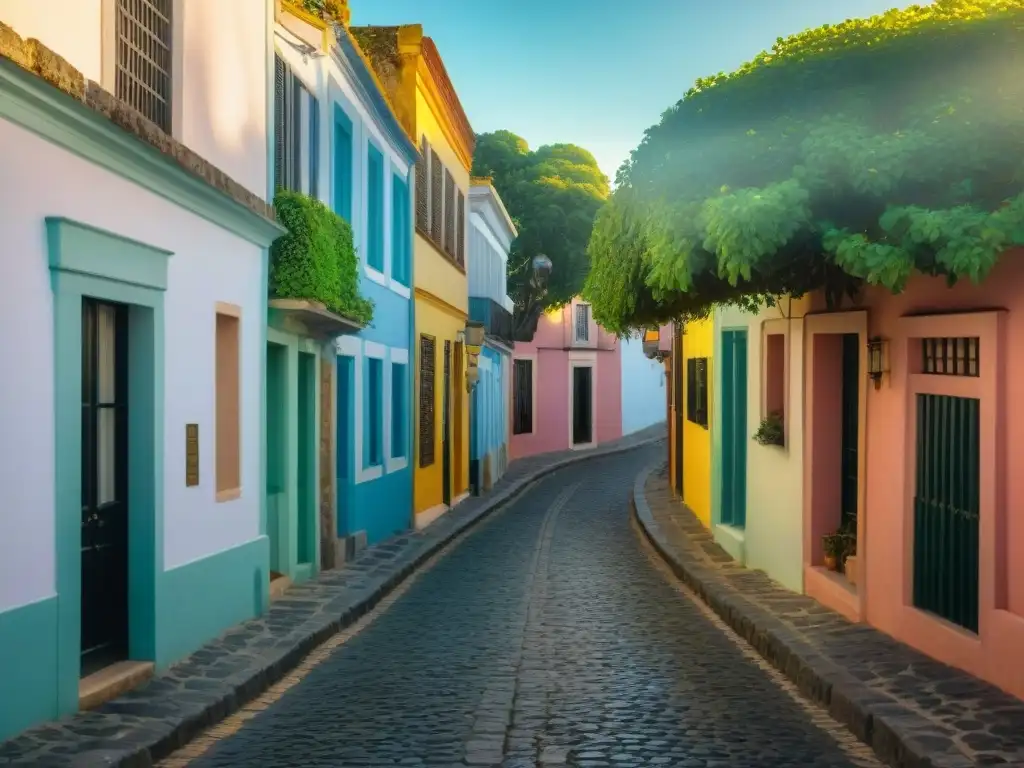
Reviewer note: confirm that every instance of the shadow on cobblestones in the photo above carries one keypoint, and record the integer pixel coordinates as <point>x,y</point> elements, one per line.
<point>545,638</point>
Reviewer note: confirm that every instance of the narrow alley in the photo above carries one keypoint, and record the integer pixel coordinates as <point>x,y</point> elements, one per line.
<point>548,636</point>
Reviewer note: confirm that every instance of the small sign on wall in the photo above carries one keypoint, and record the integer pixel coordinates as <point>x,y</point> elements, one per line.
<point>191,455</point>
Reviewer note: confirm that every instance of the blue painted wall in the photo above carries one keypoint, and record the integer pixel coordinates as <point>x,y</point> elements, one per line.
<point>377,498</point>
<point>490,420</point>
<point>643,388</point>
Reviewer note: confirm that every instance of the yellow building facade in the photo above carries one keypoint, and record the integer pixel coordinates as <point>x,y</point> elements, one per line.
<point>690,416</point>
<point>410,68</point>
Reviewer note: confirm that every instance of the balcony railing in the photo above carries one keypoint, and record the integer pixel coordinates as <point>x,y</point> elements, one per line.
<point>496,319</point>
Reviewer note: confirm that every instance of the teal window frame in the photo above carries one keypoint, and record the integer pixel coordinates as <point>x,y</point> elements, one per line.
<point>344,164</point>
<point>374,207</point>
<point>399,410</point>
<point>373,413</point>
<point>401,230</point>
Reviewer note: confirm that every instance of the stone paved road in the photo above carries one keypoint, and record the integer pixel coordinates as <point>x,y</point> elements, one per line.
<point>547,637</point>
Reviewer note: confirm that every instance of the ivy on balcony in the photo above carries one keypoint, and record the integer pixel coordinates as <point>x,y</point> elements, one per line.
<point>316,261</point>
<point>859,153</point>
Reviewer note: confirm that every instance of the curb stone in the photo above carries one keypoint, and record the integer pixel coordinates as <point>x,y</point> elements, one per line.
<point>151,722</point>
<point>899,736</point>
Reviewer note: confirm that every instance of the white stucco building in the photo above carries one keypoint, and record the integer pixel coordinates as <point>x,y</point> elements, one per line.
<point>132,525</point>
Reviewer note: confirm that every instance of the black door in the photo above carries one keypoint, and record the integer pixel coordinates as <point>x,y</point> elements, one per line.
<point>582,406</point>
<point>446,439</point>
<point>104,485</point>
<point>850,419</point>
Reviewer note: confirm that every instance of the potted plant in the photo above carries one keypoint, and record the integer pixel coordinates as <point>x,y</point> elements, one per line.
<point>849,533</point>
<point>772,430</point>
<point>833,546</point>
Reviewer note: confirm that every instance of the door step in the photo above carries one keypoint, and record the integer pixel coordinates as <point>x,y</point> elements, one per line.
<point>279,583</point>
<point>110,682</point>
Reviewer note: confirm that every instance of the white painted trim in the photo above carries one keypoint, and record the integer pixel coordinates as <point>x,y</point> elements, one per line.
<point>428,516</point>
<point>349,346</point>
<point>533,386</point>
<point>375,350</point>
<point>402,290</point>
<point>378,277</point>
<point>592,364</point>
<point>396,464</point>
<point>400,356</point>
<point>583,355</point>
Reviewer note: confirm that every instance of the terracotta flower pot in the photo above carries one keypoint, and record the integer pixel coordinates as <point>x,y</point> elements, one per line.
<point>831,562</point>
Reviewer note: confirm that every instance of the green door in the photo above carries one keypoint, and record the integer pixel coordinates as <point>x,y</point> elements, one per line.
<point>734,428</point>
<point>306,490</point>
<point>946,508</point>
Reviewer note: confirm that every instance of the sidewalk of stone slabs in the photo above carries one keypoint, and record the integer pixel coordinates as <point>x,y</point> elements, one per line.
<point>150,722</point>
<point>912,710</point>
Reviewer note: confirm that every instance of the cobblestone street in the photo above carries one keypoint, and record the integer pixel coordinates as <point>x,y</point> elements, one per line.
<point>547,637</point>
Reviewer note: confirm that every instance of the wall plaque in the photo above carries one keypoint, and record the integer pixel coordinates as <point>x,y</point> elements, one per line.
<point>191,455</point>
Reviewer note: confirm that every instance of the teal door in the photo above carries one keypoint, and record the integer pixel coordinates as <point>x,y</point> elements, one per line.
<point>306,490</point>
<point>277,453</point>
<point>734,428</point>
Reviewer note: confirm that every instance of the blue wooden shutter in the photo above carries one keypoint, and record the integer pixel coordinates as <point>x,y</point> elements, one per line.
<point>342,164</point>
<point>399,230</point>
<point>375,208</point>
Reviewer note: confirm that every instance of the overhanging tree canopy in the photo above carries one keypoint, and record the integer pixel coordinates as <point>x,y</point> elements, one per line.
<point>552,193</point>
<point>864,151</point>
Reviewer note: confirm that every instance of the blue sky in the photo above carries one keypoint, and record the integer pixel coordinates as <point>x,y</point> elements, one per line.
<point>595,72</point>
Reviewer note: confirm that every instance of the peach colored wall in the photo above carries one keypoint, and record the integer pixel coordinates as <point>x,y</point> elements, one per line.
<point>993,312</point>
<point>554,353</point>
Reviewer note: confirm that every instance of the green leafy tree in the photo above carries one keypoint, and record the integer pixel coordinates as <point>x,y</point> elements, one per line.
<point>553,194</point>
<point>863,152</point>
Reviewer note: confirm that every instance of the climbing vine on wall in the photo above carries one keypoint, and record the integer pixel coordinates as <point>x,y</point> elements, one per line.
<point>859,152</point>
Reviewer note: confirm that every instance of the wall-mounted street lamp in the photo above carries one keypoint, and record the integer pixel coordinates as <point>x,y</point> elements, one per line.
<point>878,359</point>
<point>474,341</point>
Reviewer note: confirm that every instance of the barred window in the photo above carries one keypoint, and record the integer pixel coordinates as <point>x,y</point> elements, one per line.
<point>143,57</point>
<point>582,326</point>
<point>697,390</point>
<point>422,190</point>
<point>436,197</point>
<point>426,398</point>
<point>951,356</point>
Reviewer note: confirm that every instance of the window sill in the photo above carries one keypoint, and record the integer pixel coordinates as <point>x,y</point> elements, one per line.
<point>229,494</point>
<point>440,251</point>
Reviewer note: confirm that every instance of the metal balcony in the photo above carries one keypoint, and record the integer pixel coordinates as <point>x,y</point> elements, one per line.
<point>496,319</point>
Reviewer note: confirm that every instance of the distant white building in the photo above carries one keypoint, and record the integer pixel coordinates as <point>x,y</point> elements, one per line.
<point>136,228</point>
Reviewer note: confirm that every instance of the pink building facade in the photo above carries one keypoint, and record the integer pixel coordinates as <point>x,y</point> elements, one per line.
<point>567,385</point>
<point>917,449</point>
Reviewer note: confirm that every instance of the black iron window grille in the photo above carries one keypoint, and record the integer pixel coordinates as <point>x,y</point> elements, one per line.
<point>582,322</point>
<point>951,356</point>
<point>522,417</point>
<point>697,390</point>
<point>143,57</point>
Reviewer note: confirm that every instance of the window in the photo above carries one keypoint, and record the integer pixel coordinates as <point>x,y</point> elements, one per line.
<point>375,208</point>
<point>342,164</point>
<point>227,405</point>
<point>951,356</point>
<point>436,197</point>
<point>775,374</point>
<point>697,390</point>
<point>373,428</point>
<point>428,364</point>
<point>399,406</point>
<point>460,231</point>
<point>422,190</point>
<point>296,132</point>
<point>522,387</point>
<point>449,213</point>
<point>400,245</point>
<point>581,331</point>
<point>142,68</point>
